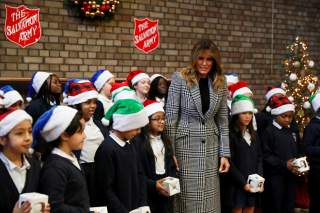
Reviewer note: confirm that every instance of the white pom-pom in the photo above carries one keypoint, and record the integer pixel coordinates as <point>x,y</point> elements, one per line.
<point>105,122</point>
<point>65,100</point>
<point>311,63</point>
<point>311,87</point>
<point>306,105</point>
<point>291,98</point>
<point>296,64</point>
<point>293,77</point>
<point>30,151</point>
<point>29,99</point>
<point>268,109</point>
<point>1,93</point>
<point>284,85</point>
<point>255,111</point>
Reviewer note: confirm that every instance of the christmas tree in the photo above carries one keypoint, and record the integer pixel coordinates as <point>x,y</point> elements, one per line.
<point>300,82</point>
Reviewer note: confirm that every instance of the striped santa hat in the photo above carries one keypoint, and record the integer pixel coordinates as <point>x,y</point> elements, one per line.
<point>137,75</point>
<point>152,107</point>
<point>280,105</point>
<point>36,82</point>
<point>240,88</point>
<point>100,78</point>
<point>77,91</point>
<point>10,95</point>
<point>11,118</point>
<point>242,103</point>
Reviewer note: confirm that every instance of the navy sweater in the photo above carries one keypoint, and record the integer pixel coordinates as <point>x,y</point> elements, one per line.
<point>65,185</point>
<point>311,141</point>
<point>120,180</point>
<point>36,108</point>
<point>9,194</point>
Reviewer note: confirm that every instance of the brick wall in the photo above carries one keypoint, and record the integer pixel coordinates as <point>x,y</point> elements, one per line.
<point>75,47</point>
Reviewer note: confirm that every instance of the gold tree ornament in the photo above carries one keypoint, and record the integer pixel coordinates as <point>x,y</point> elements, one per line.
<point>300,82</point>
<point>98,8</point>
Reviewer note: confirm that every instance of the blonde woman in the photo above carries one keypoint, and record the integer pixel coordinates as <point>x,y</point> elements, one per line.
<point>197,123</point>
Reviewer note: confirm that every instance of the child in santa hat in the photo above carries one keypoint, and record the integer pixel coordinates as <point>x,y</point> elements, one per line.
<point>44,92</point>
<point>12,97</point>
<point>311,142</point>
<point>246,155</point>
<point>19,171</point>
<point>120,180</point>
<point>103,81</point>
<point>139,81</point>
<point>157,159</point>
<point>62,179</point>
<point>82,95</point>
<point>158,88</point>
<point>280,147</point>
<point>122,91</point>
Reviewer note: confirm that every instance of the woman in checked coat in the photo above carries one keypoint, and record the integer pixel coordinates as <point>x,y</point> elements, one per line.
<point>197,123</point>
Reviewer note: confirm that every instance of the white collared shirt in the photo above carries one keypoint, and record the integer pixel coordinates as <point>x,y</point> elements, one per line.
<point>118,140</point>
<point>17,174</point>
<point>159,154</point>
<point>93,139</point>
<point>106,102</point>
<point>276,124</point>
<point>247,137</point>
<point>72,157</point>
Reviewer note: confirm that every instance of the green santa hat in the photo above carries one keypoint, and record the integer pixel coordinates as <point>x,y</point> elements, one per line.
<point>126,115</point>
<point>242,103</point>
<point>315,101</point>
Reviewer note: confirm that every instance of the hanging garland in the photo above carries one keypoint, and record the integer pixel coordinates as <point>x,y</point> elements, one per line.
<point>99,8</point>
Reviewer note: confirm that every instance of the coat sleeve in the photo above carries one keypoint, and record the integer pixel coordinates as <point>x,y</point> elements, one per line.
<point>173,107</point>
<point>222,121</point>
<point>53,183</point>
<point>310,136</point>
<point>105,179</point>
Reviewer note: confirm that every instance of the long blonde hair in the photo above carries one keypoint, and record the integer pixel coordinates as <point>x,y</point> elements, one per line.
<point>190,74</point>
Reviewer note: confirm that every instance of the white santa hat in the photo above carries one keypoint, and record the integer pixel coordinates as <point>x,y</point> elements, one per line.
<point>231,78</point>
<point>137,75</point>
<point>152,107</point>
<point>239,88</point>
<point>271,91</point>
<point>126,115</point>
<point>11,118</point>
<point>242,103</point>
<point>77,91</point>
<point>53,123</point>
<point>100,78</point>
<point>10,95</point>
<point>154,76</point>
<point>315,101</point>
<point>36,83</point>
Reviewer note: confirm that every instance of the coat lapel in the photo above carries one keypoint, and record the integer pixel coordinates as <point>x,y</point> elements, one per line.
<point>213,99</point>
<point>195,93</point>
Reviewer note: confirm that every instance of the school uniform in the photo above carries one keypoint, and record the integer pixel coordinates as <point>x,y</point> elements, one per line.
<point>246,159</point>
<point>64,182</point>
<point>17,180</point>
<point>311,141</point>
<point>120,180</point>
<point>279,145</point>
<point>157,163</point>
<point>95,134</point>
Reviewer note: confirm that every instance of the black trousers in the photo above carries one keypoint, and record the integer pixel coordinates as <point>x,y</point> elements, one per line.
<point>314,189</point>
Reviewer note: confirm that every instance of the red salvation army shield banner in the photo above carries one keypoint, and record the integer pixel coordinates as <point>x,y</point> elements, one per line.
<point>22,25</point>
<point>146,34</point>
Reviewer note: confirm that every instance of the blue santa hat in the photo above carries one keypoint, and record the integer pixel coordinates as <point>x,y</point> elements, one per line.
<point>36,83</point>
<point>100,78</point>
<point>53,123</point>
<point>10,95</point>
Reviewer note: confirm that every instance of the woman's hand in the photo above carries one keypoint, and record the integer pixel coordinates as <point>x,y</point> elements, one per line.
<point>25,207</point>
<point>161,189</point>
<point>224,165</point>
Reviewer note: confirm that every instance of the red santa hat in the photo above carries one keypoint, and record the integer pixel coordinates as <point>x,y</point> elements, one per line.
<point>239,88</point>
<point>271,91</point>
<point>11,118</point>
<point>137,75</point>
<point>77,91</point>
<point>280,105</point>
<point>152,107</point>
<point>121,91</point>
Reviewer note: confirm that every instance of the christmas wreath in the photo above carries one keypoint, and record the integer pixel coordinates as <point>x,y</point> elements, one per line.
<point>99,8</point>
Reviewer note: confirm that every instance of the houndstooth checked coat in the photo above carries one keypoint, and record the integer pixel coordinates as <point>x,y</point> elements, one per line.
<point>198,141</point>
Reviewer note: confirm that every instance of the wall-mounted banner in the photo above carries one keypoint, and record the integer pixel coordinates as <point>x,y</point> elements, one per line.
<point>22,25</point>
<point>146,34</point>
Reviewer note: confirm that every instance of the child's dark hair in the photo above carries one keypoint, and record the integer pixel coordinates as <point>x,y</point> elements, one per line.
<point>46,94</point>
<point>235,128</point>
<point>153,92</point>
<point>45,148</point>
<point>132,85</point>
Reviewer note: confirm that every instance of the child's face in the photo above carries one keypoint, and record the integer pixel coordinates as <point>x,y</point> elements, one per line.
<point>156,124</point>
<point>285,119</point>
<point>128,135</point>
<point>75,141</point>
<point>143,86</point>
<point>18,105</point>
<point>55,83</point>
<point>107,87</point>
<point>88,108</point>
<point>162,86</point>
<point>19,139</point>
<point>245,118</point>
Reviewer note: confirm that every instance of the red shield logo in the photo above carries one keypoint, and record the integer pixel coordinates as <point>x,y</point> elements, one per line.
<point>146,34</point>
<point>22,25</point>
